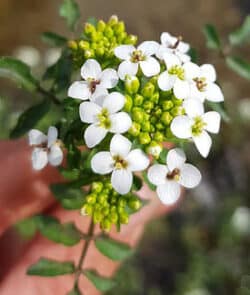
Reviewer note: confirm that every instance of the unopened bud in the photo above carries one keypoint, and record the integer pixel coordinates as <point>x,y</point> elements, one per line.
<point>132,84</point>
<point>144,138</point>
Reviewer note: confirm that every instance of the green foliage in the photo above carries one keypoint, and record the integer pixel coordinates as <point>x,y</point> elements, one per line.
<point>30,118</point>
<point>137,183</point>
<point>239,66</point>
<point>71,198</point>
<point>112,249</point>
<point>27,228</point>
<point>71,12</point>
<point>19,72</point>
<point>101,283</point>
<point>53,39</point>
<point>50,268</point>
<point>66,234</point>
<point>212,37</point>
<point>242,34</point>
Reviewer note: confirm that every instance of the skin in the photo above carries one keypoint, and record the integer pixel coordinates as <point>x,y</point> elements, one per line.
<point>24,192</point>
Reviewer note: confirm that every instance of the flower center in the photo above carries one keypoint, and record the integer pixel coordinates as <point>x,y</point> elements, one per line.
<point>120,163</point>
<point>177,71</point>
<point>200,83</point>
<point>137,56</point>
<point>176,44</point>
<point>198,126</point>
<point>103,118</point>
<point>174,175</point>
<point>92,84</point>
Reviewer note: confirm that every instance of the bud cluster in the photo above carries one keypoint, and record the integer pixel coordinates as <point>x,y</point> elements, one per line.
<point>99,41</point>
<point>152,111</point>
<point>107,207</point>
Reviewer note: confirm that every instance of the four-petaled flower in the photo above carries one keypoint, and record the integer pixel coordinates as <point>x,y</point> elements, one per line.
<point>133,57</point>
<point>201,80</point>
<point>47,149</point>
<point>196,124</point>
<point>173,77</point>
<point>175,45</point>
<point>96,82</point>
<point>169,178</point>
<point>121,161</point>
<point>105,118</point>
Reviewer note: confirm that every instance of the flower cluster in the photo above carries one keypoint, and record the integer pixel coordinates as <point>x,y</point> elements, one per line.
<point>131,101</point>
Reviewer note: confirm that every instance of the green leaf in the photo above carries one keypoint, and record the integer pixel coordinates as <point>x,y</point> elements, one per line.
<point>17,71</point>
<point>219,107</point>
<point>53,39</point>
<point>27,228</point>
<point>71,12</point>
<point>75,291</point>
<point>150,185</point>
<point>242,34</point>
<point>212,37</point>
<point>239,66</point>
<point>69,174</point>
<point>30,118</point>
<point>102,284</point>
<point>92,20</point>
<point>71,198</point>
<point>113,249</point>
<point>137,183</point>
<point>66,234</point>
<point>50,268</point>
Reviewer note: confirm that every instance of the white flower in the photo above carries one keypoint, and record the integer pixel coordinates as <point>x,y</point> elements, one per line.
<point>169,178</point>
<point>173,77</point>
<point>171,44</point>
<point>121,161</point>
<point>196,124</point>
<point>105,118</point>
<point>46,148</point>
<point>201,81</point>
<point>95,82</point>
<point>133,57</point>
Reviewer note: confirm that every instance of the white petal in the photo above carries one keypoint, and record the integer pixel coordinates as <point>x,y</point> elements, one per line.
<point>195,93</point>
<point>212,119</point>
<point>122,180</point>
<point>157,174</point>
<point>181,127</point>
<point>183,47</point>
<point>36,137</point>
<point>191,70</point>
<point>167,39</point>
<point>89,112</point>
<point>127,68</point>
<point>214,93</point>
<point>79,90</point>
<point>137,160</point>
<point>120,122</point>
<point>99,95</point>
<point>171,60</point>
<point>175,159</point>
<point>166,81</point>
<point>148,48</point>
<point>203,143</point>
<point>169,192</point>
<point>91,70</point>
<point>109,78</point>
<point>181,89</point>
<point>55,155</point>
<point>150,67</point>
<point>183,57</point>
<point>190,176</point>
<point>94,135</point>
<point>208,72</point>
<point>124,51</point>
<point>39,158</point>
<point>193,107</point>
<point>102,163</point>
<point>120,146</point>
<point>161,51</point>
<point>52,135</point>
<point>114,102</point>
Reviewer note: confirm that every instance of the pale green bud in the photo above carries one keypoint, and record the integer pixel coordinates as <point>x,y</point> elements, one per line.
<point>128,103</point>
<point>135,129</point>
<point>166,118</point>
<point>132,84</point>
<point>144,138</point>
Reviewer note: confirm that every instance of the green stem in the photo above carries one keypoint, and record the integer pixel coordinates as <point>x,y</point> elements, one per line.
<point>84,252</point>
<point>50,95</point>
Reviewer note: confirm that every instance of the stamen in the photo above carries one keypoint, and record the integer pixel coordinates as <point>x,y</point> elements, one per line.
<point>137,56</point>
<point>120,163</point>
<point>92,85</point>
<point>200,83</point>
<point>174,175</point>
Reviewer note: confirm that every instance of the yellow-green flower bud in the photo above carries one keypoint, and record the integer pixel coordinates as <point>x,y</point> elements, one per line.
<point>146,126</point>
<point>148,90</point>
<point>128,103</point>
<point>91,199</point>
<point>155,97</point>
<point>177,111</point>
<point>137,114</point>
<point>83,45</point>
<point>119,27</point>
<point>168,133</point>
<point>101,25</point>
<point>158,136</point>
<point>144,138</point>
<point>154,149</point>
<point>113,217</point>
<point>87,209</point>
<point>167,105</point>
<point>131,39</point>
<point>176,101</point>
<point>159,126</point>
<point>132,84</point>
<point>102,198</point>
<point>97,186</point>
<point>88,53</point>
<point>89,29</point>
<point>100,51</point>
<point>105,211</point>
<point>106,224</point>
<point>72,45</point>
<point>138,100</point>
<point>135,129</point>
<point>134,204</point>
<point>148,105</point>
<point>124,218</point>
<point>108,32</point>
<point>166,118</point>
<point>97,216</point>
<point>122,202</point>
<point>113,20</point>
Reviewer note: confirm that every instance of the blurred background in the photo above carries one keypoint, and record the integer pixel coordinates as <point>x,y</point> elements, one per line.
<point>203,247</point>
